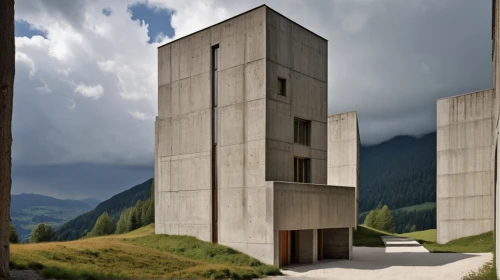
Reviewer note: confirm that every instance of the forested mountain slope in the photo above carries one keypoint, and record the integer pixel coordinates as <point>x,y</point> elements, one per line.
<point>399,172</point>
<point>82,224</point>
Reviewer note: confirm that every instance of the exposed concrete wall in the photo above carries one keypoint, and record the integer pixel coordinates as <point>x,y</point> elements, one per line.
<point>242,107</point>
<point>308,206</point>
<point>300,57</point>
<point>184,151</point>
<point>343,153</point>
<point>465,193</point>
<point>183,135</point>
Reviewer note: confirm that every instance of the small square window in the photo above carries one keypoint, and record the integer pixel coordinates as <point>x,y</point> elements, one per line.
<point>282,86</point>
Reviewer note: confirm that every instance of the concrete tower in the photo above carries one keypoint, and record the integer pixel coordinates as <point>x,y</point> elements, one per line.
<point>241,142</point>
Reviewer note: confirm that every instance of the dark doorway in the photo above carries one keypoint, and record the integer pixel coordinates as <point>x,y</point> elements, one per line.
<point>320,244</point>
<point>288,247</point>
<point>294,246</point>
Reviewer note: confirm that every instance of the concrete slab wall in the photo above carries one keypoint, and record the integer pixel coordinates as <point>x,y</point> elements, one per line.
<point>343,153</point>
<point>300,57</point>
<point>465,187</point>
<point>309,206</point>
<point>242,107</point>
<point>183,167</point>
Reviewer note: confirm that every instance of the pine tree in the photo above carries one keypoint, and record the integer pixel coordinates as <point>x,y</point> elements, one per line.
<point>123,225</point>
<point>137,213</point>
<point>103,226</point>
<point>384,220</point>
<point>370,219</point>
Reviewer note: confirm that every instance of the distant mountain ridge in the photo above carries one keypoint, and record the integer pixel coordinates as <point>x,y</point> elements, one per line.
<point>28,210</point>
<point>399,172</point>
<point>25,200</point>
<point>82,224</point>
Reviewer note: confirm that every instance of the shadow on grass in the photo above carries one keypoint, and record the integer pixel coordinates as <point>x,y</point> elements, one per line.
<point>54,272</point>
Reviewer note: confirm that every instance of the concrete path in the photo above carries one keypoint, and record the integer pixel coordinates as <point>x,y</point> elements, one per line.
<point>396,244</point>
<point>376,263</point>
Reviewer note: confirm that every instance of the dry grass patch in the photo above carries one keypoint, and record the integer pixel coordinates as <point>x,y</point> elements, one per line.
<point>129,256</point>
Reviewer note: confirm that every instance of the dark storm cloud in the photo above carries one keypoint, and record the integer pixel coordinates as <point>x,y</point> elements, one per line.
<point>406,55</point>
<point>388,59</point>
<point>79,180</point>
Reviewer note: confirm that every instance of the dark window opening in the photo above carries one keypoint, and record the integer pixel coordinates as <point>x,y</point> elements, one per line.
<point>215,140</point>
<point>301,168</point>
<point>301,131</point>
<point>282,86</point>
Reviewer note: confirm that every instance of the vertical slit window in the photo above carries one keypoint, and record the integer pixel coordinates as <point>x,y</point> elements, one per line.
<point>215,140</point>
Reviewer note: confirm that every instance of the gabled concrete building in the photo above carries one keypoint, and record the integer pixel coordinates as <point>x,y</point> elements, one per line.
<point>244,148</point>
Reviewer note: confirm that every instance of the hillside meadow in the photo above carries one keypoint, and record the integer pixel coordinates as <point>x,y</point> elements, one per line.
<point>139,254</point>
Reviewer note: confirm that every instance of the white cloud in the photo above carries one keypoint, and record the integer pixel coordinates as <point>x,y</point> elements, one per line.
<point>377,57</point>
<point>94,92</point>
<point>140,115</point>
<point>27,61</point>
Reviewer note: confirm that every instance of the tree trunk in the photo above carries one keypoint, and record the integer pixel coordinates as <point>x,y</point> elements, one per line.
<point>7,70</point>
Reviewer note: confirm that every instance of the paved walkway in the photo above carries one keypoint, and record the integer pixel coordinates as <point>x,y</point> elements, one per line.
<point>376,263</point>
<point>396,244</point>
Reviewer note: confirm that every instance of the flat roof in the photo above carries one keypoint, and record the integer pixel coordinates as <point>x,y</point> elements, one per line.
<point>263,5</point>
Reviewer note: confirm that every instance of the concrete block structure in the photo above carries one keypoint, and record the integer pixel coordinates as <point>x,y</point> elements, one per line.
<point>465,193</point>
<point>343,153</point>
<point>241,142</point>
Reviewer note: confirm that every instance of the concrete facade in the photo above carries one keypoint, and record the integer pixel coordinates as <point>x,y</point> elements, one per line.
<point>255,196</point>
<point>465,191</point>
<point>343,153</point>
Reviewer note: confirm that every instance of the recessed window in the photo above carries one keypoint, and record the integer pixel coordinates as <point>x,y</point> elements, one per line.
<point>282,86</point>
<point>301,131</point>
<point>302,170</point>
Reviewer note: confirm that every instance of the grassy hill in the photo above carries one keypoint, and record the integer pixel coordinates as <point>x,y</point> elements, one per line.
<point>411,218</point>
<point>28,210</point>
<point>369,237</point>
<point>137,254</point>
<point>82,224</point>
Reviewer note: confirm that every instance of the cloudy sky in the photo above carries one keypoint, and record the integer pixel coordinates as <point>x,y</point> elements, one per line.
<point>85,91</point>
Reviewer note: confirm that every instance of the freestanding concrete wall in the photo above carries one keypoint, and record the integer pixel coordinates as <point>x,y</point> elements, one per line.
<point>465,193</point>
<point>343,153</point>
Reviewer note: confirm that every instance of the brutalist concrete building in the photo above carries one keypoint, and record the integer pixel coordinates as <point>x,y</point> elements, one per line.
<point>245,154</point>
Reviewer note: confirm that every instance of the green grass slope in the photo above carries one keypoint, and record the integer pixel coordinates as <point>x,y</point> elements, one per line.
<point>368,237</point>
<point>139,254</point>
<point>424,235</point>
